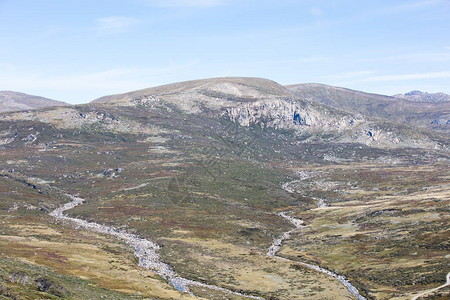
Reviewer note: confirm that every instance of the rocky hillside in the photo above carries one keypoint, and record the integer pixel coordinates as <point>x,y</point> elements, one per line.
<point>434,116</point>
<point>262,102</point>
<point>248,102</point>
<point>14,101</point>
<point>244,100</point>
<point>195,96</point>
<point>424,97</point>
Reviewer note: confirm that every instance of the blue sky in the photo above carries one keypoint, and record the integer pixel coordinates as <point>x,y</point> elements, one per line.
<point>77,51</point>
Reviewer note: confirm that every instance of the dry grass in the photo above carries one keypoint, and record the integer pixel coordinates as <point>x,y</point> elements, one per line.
<point>87,255</point>
<point>244,268</point>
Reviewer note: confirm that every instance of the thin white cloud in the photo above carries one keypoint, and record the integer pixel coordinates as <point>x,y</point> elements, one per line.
<point>414,5</point>
<point>186,3</point>
<point>315,12</point>
<point>414,76</point>
<point>313,59</point>
<point>442,56</point>
<point>406,7</point>
<point>423,57</point>
<point>6,66</point>
<point>113,25</point>
<point>448,47</point>
<point>349,75</point>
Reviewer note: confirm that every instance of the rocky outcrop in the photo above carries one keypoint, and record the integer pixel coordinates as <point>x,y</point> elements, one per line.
<point>291,114</point>
<point>304,117</point>
<point>441,122</point>
<point>79,117</point>
<point>424,97</point>
<point>415,109</point>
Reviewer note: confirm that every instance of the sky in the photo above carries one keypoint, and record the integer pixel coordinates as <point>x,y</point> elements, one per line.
<point>77,51</point>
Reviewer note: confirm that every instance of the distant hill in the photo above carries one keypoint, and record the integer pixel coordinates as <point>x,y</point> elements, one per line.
<point>326,114</point>
<point>244,100</point>
<point>424,97</point>
<point>420,114</point>
<point>214,93</point>
<point>317,111</point>
<point>14,101</point>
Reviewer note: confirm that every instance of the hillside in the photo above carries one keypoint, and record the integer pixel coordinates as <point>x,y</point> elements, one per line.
<point>424,97</point>
<point>191,96</point>
<point>418,114</point>
<point>225,188</point>
<point>14,101</point>
<point>262,102</point>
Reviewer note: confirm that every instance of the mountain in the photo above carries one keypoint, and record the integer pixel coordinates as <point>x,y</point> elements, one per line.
<point>192,96</point>
<point>196,189</point>
<point>262,102</point>
<point>424,97</point>
<point>13,101</point>
<point>434,116</point>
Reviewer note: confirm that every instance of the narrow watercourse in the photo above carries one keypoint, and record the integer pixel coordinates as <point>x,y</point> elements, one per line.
<point>145,251</point>
<point>276,245</point>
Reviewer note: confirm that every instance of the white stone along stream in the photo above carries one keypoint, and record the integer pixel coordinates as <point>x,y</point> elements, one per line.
<point>145,251</point>
<point>276,245</point>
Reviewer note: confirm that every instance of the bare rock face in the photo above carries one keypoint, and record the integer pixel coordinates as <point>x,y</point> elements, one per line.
<point>291,114</point>
<point>414,109</point>
<point>313,119</point>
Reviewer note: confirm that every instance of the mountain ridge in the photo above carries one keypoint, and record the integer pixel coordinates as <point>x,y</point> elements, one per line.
<point>237,86</point>
<point>16,101</point>
<point>245,101</point>
<point>419,96</point>
<point>419,114</point>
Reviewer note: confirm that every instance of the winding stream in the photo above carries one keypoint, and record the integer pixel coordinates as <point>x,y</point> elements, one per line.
<point>276,245</point>
<point>145,251</point>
